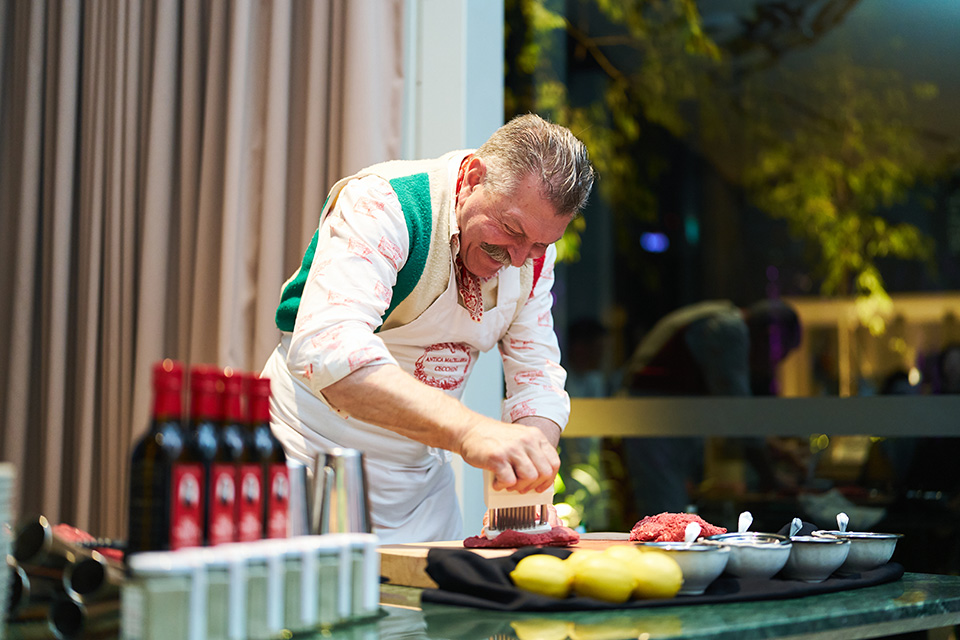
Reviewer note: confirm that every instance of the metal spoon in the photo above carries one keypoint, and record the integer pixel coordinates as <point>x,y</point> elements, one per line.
<point>795,525</point>
<point>842,521</point>
<point>746,519</point>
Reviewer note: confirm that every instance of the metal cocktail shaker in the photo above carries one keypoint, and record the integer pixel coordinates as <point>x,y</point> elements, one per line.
<point>340,503</point>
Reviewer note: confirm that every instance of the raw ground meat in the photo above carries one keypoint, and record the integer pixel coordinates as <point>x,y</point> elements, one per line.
<point>669,527</point>
<point>557,537</point>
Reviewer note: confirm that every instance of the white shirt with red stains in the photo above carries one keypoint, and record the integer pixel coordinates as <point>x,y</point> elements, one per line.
<point>361,245</point>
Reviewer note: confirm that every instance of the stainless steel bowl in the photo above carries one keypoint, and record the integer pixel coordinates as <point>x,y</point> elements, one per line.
<point>754,555</point>
<point>815,558</point>
<point>868,550</point>
<point>700,563</point>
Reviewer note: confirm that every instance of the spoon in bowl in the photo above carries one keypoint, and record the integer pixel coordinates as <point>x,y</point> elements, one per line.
<point>842,521</point>
<point>795,525</point>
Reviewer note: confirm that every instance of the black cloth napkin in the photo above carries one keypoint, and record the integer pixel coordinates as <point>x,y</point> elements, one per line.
<point>466,579</point>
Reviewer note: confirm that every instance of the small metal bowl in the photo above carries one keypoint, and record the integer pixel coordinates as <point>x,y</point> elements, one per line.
<point>754,555</point>
<point>700,563</point>
<point>815,558</point>
<point>868,550</point>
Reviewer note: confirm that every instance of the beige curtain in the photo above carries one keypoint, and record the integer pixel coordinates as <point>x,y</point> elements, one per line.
<point>162,164</point>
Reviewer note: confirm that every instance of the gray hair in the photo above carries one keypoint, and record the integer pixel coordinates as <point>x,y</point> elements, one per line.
<point>529,145</point>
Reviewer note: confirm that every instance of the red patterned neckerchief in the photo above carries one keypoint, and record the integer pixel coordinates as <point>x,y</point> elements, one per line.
<point>467,284</point>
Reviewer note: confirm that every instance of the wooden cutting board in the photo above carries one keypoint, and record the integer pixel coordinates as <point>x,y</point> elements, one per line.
<point>406,564</point>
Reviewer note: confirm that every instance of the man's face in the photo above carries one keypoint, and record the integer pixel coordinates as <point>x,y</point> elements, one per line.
<point>497,231</point>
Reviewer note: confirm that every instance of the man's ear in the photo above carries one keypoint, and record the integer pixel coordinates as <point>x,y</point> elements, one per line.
<point>476,171</point>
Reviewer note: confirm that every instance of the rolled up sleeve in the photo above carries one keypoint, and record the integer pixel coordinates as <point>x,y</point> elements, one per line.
<point>531,357</point>
<point>362,242</point>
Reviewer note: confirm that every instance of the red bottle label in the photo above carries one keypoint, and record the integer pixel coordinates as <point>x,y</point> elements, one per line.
<point>223,503</point>
<point>250,503</point>
<point>278,502</point>
<point>186,497</point>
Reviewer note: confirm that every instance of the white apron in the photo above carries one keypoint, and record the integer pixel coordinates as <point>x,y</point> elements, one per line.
<point>411,486</point>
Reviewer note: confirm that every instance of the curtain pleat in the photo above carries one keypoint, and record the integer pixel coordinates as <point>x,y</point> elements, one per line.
<point>262,272</point>
<point>22,168</point>
<point>58,249</point>
<point>204,251</point>
<point>89,246</point>
<point>242,141</point>
<point>197,32</point>
<point>162,166</point>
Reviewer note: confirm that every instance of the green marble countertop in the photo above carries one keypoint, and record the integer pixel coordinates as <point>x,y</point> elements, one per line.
<point>916,602</point>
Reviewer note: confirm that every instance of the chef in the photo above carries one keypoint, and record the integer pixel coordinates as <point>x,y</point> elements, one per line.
<point>416,267</point>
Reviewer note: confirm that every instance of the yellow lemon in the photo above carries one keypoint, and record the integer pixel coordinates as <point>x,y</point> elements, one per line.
<point>604,577</point>
<point>658,576</point>
<point>544,574</point>
<point>578,556</point>
<point>626,553</point>
<point>541,629</point>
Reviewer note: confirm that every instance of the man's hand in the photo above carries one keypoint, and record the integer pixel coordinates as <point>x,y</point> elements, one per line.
<point>521,457</point>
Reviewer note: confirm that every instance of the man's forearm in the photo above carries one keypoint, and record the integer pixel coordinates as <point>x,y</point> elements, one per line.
<point>388,397</point>
<point>521,457</point>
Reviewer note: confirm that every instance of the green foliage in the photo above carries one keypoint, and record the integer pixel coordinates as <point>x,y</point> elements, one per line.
<point>590,483</point>
<point>831,177</point>
<point>828,151</point>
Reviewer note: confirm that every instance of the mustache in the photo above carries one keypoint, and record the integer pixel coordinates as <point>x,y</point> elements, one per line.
<point>499,254</point>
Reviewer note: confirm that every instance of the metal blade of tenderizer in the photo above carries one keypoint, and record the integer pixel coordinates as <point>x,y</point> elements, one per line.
<point>517,518</point>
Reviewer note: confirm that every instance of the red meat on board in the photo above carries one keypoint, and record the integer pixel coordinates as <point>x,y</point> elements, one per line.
<point>669,527</point>
<point>557,537</point>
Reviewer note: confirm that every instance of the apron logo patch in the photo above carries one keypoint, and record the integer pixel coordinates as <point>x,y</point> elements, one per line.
<point>443,365</point>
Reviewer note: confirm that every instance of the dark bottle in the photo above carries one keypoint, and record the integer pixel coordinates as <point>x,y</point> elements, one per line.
<point>276,481</point>
<point>166,476</point>
<point>220,490</point>
<point>250,502</point>
<point>231,435</point>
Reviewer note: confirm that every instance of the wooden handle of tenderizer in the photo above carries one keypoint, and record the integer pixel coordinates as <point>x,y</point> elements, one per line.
<point>504,499</point>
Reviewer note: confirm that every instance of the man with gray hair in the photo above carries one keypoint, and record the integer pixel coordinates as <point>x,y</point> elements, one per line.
<point>415,268</point>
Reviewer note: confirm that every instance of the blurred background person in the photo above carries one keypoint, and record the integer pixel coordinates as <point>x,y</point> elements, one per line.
<point>719,349</point>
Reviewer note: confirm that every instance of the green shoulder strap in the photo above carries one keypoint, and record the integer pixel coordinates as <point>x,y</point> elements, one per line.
<point>413,192</point>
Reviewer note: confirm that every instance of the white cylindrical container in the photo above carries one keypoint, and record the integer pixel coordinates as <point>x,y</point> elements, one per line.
<point>162,582</point>
<point>365,575</point>
<point>275,588</point>
<point>371,575</point>
<point>286,561</point>
<point>217,563</point>
<point>238,604</point>
<point>345,578</point>
<point>327,551</point>
<point>302,584</point>
<point>254,556</point>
